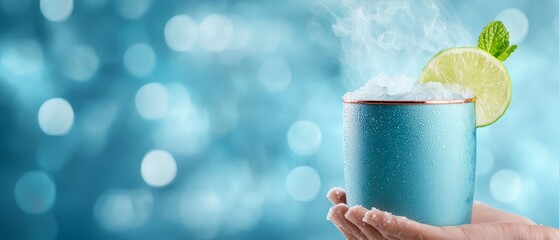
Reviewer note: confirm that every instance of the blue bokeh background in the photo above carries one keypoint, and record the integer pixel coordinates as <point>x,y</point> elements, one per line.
<point>144,119</point>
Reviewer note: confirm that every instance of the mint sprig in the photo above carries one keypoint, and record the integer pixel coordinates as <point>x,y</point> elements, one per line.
<point>495,40</point>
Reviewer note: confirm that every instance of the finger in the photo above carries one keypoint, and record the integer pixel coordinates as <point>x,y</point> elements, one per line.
<point>356,215</point>
<point>549,232</point>
<point>334,215</point>
<point>348,229</point>
<point>396,227</point>
<point>505,231</point>
<point>336,195</point>
<point>483,213</point>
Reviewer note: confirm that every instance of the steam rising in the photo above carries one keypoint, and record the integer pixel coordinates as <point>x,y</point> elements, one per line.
<point>392,37</point>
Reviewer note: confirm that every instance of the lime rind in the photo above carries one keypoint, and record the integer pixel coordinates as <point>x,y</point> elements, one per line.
<point>482,73</point>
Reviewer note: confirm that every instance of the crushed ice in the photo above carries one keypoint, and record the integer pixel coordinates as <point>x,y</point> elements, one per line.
<point>405,88</point>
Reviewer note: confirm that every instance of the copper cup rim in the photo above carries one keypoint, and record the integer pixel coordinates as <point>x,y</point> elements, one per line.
<point>409,102</point>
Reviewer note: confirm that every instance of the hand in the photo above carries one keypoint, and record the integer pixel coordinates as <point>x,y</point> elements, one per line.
<point>358,223</point>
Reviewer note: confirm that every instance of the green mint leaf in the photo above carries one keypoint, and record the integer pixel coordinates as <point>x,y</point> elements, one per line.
<point>503,56</point>
<point>494,39</point>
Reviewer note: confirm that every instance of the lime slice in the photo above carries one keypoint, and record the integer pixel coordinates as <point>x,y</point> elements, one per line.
<point>477,70</point>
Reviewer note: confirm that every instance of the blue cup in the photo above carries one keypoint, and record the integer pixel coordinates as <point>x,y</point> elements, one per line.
<point>412,158</point>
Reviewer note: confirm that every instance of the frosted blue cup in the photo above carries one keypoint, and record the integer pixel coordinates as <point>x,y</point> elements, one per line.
<point>412,158</point>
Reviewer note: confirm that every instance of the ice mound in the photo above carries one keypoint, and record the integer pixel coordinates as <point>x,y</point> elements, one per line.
<point>406,88</point>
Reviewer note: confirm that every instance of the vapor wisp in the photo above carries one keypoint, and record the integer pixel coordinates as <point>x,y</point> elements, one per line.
<point>391,37</point>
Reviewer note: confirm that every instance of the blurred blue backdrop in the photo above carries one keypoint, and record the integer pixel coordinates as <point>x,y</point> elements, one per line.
<point>144,119</point>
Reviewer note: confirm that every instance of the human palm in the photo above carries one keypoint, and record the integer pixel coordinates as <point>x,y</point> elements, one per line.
<point>358,223</point>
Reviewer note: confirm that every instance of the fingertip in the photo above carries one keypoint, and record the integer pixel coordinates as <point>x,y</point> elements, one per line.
<point>330,214</point>
<point>373,216</point>
<point>383,220</point>
<point>400,227</point>
<point>378,220</point>
<point>336,195</point>
<point>355,214</point>
<point>358,209</point>
<point>336,216</point>
<point>337,211</point>
<point>341,206</point>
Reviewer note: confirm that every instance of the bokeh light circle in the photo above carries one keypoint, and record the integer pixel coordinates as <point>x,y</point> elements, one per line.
<point>132,9</point>
<point>274,75</point>
<point>115,212</point>
<point>516,23</point>
<point>56,10</point>
<point>23,57</point>
<point>242,34</point>
<point>304,137</point>
<point>216,32</point>
<point>139,59</point>
<point>121,210</point>
<point>35,192</point>
<point>152,101</point>
<point>56,117</point>
<point>303,183</point>
<point>181,33</point>
<point>506,186</point>
<point>184,132</point>
<point>210,208</point>
<point>158,168</point>
<point>80,63</point>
